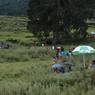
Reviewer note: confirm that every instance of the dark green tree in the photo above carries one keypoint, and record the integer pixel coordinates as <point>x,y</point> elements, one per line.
<point>63,18</point>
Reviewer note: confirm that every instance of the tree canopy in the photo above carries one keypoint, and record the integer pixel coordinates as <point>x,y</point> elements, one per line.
<point>64,18</point>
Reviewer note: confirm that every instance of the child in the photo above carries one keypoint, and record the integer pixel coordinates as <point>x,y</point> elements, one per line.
<point>54,60</point>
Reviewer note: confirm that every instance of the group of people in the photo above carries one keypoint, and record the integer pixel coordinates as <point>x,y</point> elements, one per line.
<point>59,62</point>
<point>60,52</point>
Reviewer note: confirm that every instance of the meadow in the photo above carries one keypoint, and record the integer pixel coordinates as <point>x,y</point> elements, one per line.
<point>26,70</point>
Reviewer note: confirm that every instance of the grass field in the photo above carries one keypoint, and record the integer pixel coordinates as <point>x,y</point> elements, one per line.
<point>27,71</point>
<point>36,78</point>
<point>13,23</point>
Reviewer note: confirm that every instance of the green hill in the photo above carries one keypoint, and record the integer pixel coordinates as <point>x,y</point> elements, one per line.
<point>13,23</point>
<point>13,7</point>
<point>14,29</point>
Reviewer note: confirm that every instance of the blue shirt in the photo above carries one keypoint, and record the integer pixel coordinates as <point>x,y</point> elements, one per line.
<point>93,66</point>
<point>62,53</point>
<point>56,66</point>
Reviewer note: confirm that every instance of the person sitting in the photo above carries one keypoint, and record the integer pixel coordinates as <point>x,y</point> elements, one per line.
<point>69,53</point>
<point>56,67</point>
<point>68,65</point>
<point>92,65</point>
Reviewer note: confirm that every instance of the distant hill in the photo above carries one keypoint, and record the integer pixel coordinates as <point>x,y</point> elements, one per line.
<point>13,7</point>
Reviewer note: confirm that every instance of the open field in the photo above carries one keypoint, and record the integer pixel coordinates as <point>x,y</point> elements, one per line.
<point>26,70</point>
<point>36,77</point>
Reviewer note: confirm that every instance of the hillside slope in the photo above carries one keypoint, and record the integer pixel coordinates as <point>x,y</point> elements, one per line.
<point>13,23</point>
<point>13,7</point>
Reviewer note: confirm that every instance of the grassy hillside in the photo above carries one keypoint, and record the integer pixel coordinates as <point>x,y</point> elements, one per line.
<point>13,23</point>
<point>19,23</point>
<point>14,29</point>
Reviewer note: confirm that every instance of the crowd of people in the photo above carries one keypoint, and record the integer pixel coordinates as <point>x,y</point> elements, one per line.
<point>60,64</point>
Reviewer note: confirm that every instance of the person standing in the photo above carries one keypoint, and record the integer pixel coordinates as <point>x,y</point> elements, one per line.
<point>62,52</point>
<point>57,51</point>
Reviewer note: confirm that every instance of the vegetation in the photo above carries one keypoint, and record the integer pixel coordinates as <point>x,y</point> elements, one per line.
<point>13,23</point>
<point>24,54</point>
<point>25,69</point>
<point>14,29</point>
<point>64,18</point>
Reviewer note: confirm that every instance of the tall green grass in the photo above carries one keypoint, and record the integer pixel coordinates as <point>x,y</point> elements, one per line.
<point>27,70</point>
<point>35,77</point>
<point>25,54</point>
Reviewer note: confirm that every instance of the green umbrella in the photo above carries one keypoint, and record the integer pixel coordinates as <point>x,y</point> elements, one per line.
<point>83,49</point>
